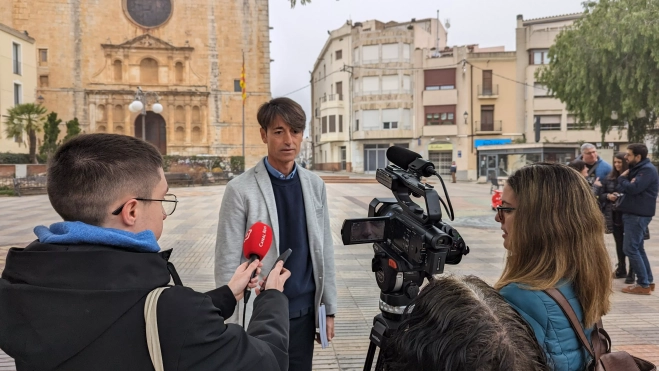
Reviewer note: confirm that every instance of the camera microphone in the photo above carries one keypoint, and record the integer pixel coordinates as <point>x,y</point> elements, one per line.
<point>410,160</point>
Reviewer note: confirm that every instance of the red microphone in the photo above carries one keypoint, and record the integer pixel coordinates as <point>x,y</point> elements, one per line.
<point>257,241</point>
<point>256,244</point>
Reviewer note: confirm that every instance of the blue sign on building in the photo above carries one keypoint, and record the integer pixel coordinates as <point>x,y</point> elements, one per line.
<point>491,142</point>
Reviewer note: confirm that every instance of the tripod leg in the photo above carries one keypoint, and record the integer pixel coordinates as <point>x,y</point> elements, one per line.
<point>379,365</point>
<point>369,357</point>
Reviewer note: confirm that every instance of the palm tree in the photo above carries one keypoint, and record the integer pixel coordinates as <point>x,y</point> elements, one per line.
<point>303,2</point>
<point>25,118</point>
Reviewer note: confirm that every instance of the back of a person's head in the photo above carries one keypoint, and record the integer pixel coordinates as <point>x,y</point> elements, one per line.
<point>558,234</point>
<point>91,171</point>
<point>461,323</point>
<point>577,165</point>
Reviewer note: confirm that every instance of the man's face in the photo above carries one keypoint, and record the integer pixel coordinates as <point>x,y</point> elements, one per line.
<point>282,140</point>
<point>589,156</point>
<point>632,160</point>
<point>152,212</point>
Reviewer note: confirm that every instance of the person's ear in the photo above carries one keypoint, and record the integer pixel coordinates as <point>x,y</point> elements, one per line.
<point>264,136</point>
<point>129,213</point>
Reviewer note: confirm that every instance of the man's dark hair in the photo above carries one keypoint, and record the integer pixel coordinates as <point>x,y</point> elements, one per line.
<point>639,149</point>
<point>286,109</point>
<point>91,171</point>
<point>461,323</point>
<point>577,165</point>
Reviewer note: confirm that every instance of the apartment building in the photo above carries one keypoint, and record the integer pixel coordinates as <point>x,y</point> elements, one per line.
<point>464,98</point>
<point>363,91</point>
<point>18,79</point>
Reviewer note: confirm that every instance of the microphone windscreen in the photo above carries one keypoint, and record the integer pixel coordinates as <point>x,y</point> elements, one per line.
<point>401,157</point>
<point>257,240</point>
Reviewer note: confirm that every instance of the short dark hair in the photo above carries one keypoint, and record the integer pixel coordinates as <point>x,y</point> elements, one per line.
<point>286,109</point>
<point>577,165</point>
<point>639,149</point>
<point>89,172</point>
<point>461,323</point>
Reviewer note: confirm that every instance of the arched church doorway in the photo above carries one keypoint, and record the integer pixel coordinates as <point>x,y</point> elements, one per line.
<point>156,132</point>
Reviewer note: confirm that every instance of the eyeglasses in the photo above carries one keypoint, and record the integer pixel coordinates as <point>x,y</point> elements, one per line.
<point>502,211</point>
<point>168,204</point>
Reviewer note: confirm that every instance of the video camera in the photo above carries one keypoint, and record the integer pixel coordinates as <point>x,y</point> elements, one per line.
<point>410,243</point>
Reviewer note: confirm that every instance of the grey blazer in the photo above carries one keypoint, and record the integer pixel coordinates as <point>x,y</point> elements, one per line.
<point>248,199</point>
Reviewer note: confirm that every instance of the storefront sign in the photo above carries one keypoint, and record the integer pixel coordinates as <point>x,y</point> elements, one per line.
<point>440,147</point>
<point>491,142</point>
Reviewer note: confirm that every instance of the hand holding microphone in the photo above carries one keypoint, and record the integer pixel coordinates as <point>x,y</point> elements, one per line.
<point>255,246</point>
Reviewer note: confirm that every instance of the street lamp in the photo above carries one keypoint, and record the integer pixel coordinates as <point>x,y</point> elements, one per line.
<point>40,99</point>
<point>614,115</point>
<point>466,116</point>
<point>139,104</point>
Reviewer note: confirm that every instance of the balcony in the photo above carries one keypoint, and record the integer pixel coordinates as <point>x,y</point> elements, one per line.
<point>383,134</point>
<point>334,137</point>
<point>440,97</point>
<point>488,127</point>
<point>331,101</point>
<point>440,130</point>
<point>488,92</point>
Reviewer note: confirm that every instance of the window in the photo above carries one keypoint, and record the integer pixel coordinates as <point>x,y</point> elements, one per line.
<point>371,119</point>
<point>390,118</point>
<point>540,90</point>
<point>549,122</point>
<point>43,55</point>
<point>573,124</point>
<point>332,124</point>
<point>16,49</point>
<point>339,55</point>
<point>117,70</point>
<point>43,81</point>
<point>371,84</point>
<point>440,115</point>
<point>339,90</point>
<point>356,124</point>
<point>340,123</point>
<point>324,124</point>
<point>236,86</point>
<point>390,84</point>
<point>357,116</point>
<point>487,82</point>
<point>406,51</point>
<point>389,52</point>
<point>178,71</point>
<point>487,118</point>
<point>406,120</point>
<point>407,85</point>
<point>539,57</point>
<point>356,54</point>
<point>439,79</point>
<point>371,54</point>
<point>18,94</point>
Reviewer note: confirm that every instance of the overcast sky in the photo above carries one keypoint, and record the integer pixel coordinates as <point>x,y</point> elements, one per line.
<point>300,33</point>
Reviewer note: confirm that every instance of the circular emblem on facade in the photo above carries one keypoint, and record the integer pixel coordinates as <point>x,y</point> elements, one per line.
<point>148,13</point>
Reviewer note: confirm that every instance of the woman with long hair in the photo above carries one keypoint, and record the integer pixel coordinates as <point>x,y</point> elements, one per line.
<point>607,196</point>
<point>553,231</point>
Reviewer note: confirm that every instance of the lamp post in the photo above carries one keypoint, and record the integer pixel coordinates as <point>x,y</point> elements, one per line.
<point>466,116</point>
<point>139,104</point>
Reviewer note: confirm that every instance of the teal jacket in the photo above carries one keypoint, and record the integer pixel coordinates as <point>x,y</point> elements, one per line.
<point>550,325</point>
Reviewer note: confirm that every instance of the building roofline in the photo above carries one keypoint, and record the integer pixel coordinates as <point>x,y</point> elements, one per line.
<point>18,34</point>
<point>553,18</point>
<point>329,40</point>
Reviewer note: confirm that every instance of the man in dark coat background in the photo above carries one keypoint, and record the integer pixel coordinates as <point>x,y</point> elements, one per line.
<point>74,298</point>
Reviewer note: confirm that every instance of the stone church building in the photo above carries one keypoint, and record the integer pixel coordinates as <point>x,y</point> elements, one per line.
<point>93,55</point>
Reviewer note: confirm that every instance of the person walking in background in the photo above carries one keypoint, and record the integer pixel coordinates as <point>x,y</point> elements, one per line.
<point>639,186</point>
<point>597,168</point>
<point>568,253</point>
<point>607,196</point>
<point>454,169</point>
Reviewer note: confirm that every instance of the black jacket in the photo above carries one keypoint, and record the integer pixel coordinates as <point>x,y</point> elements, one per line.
<point>640,188</point>
<point>608,186</point>
<point>82,308</point>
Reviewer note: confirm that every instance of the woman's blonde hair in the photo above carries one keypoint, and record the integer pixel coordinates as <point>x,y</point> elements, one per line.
<point>558,234</point>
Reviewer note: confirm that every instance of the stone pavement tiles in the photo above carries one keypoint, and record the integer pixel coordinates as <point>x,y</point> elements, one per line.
<point>633,322</point>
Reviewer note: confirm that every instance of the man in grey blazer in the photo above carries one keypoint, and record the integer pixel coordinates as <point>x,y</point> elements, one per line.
<point>293,201</point>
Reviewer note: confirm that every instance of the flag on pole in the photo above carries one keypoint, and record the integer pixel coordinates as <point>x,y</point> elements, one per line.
<point>242,82</point>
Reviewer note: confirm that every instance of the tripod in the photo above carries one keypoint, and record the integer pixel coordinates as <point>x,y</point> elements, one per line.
<point>382,330</point>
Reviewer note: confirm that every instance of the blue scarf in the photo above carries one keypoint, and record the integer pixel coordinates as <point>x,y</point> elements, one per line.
<point>71,233</point>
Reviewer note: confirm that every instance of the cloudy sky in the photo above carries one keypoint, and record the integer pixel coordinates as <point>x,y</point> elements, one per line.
<point>300,33</point>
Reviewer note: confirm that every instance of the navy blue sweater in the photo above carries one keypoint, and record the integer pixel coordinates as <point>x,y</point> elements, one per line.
<point>641,194</point>
<point>300,288</point>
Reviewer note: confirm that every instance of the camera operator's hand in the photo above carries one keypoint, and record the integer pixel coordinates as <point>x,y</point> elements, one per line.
<point>242,278</point>
<point>612,197</point>
<point>276,279</point>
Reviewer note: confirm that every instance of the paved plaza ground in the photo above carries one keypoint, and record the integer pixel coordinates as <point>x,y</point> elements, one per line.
<point>633,323</point>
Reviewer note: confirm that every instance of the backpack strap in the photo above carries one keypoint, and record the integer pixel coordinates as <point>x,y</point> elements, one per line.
<point>151,319</point>
<point>574,322</point>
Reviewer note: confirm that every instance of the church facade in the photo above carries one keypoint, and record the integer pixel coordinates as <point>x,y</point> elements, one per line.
<point>187,55</point>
